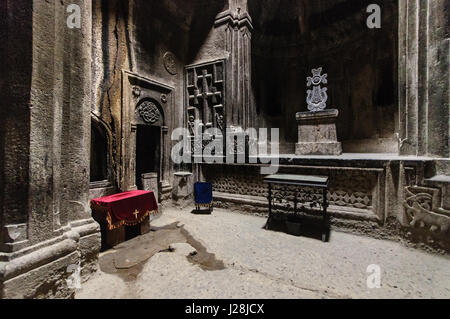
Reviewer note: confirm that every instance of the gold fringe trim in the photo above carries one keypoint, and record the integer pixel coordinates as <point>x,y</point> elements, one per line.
<point>121,223</point>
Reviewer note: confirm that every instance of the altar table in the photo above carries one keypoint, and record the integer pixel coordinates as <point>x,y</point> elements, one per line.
<point>129,208</point>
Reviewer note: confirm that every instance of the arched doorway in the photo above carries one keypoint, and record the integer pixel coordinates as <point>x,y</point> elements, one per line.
<point>149,119</point>
<point>146,120</point>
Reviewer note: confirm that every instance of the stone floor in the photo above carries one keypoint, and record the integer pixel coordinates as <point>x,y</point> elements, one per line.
<point>228,255</point>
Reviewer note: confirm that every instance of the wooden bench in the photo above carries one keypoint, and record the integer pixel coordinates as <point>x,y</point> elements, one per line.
<point>320,182</point>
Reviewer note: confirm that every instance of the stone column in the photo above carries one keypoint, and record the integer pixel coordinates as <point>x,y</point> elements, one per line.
<point>16,53</point>
<point>424,78</point>
<point>438,63</point>
<point>424,99</point>
<point>76,119</point>
<point>237,26</point>
<point>44,149</point>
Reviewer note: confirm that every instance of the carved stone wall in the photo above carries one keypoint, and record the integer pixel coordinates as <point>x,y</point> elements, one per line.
<point>53,79</point>
<point>46,226</point>
<point>145,102</point>
<point>292,37</point>
<point>380,198</point>
<point>205,95</point>
<point>423,206</point>
<point>155,40</point>
<point>355,191</point>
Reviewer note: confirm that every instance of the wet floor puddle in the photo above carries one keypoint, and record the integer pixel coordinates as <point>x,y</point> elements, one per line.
<point>127,259</point>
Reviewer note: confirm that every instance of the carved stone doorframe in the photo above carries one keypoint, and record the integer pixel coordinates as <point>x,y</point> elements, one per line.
<point>148,102</point>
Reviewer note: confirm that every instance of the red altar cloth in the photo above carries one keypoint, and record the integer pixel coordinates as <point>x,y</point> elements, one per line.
<point>129,208</point>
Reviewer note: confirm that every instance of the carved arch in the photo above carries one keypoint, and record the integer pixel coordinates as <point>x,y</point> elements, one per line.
<point>103,128</point>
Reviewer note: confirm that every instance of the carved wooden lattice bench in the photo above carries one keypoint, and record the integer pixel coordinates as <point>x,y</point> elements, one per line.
<point>301,181</point>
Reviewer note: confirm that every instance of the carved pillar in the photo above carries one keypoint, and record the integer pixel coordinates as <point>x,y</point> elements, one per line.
<point>44,147</point>
<point>58,97</point>
<point>438,63</point>
<point>39,63</point>
<point>237,26</point>
<point>423,78</point>
<point>76,118</point>
<point>16,54</point>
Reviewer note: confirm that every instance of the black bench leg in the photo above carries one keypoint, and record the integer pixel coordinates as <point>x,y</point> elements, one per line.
<point>270,206</point>
<point>325,216</point>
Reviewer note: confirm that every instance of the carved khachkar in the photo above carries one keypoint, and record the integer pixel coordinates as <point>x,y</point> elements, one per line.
<point>422,206</point>
<point>317,97</point>
<point>205,88</point>
<point>317,128</point>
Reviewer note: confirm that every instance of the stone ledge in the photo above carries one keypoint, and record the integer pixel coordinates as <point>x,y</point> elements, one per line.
<point>318,148</point>
<point>183,174</point>
<point>46,281</point>
<point>312,116</point>
<point>80,243</point>
<point>100,184</point>
<point>345,160</point>
<point>438,179</point>
<point>86,229</point>
<point>74,231</point>
<point>261,202</point>
<point>240,199</point>
<point>36,259</point>
<point>7,256</point>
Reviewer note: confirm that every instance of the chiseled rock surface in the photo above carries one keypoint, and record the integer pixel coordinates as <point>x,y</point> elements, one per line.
<point>265,264</point>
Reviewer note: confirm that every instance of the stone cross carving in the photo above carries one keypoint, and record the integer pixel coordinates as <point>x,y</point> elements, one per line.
<point>205,88</point>
<point>207,92</point>
<point>317,97</point>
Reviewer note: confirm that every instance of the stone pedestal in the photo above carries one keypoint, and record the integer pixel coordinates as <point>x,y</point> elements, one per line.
<point>317,133</point>
<point>150,183</point>
<point>183,188</point>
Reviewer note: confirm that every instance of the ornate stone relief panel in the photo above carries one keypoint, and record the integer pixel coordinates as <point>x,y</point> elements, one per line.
<point>423,209</point>
<point>170,63</point>
<point>205,90</point>
<point>317,97</point>
<point>351,190</point>
<point>148,111</point>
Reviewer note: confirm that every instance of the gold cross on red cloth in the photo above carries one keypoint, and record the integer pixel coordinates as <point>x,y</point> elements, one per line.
<point>136,213</point>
